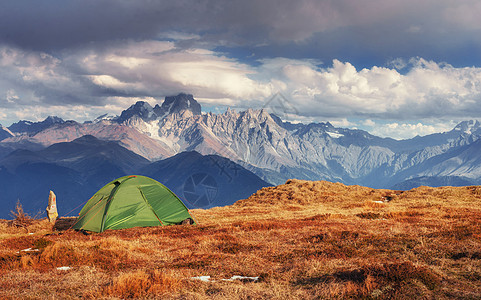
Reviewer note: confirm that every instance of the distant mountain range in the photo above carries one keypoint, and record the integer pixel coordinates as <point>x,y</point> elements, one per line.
<point>253,140</point>
<point>76,170</point>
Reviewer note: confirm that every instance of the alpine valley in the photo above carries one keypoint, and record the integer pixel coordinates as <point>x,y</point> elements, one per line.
<point>215,159</point>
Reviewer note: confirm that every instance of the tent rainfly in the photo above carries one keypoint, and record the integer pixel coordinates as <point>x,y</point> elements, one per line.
<point>132,201</point>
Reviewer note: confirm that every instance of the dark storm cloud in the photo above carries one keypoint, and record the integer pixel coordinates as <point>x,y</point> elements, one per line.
<point>365,31</point>
<point>48,25</point>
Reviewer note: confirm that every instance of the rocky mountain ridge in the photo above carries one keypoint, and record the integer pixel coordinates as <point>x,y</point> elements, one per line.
<point>28,127</point>
<point>277,150</point>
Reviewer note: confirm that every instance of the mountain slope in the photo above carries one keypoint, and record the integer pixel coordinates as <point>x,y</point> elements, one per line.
<point>458,162</point>
<point>205,181</point>
<point>79,153</point>
<point>27,177</point>
<point>433,181</point>
<point>126,136</point>
<point>76,170</point>
<point>98,161</point>
<point>5,133</point>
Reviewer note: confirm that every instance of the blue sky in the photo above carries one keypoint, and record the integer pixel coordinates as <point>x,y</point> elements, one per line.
<point>395,68</point>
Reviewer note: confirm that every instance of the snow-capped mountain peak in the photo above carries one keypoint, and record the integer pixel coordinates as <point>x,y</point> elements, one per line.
<point>179,103</point>
<point>171,105</point>
<point>140,109</point>
<point>53,120</point>
<point>105,117</point>
<point>468,127</point>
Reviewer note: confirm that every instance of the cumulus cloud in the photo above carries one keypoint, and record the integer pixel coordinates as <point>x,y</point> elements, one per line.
<point>345,123</point>
<point>157,69</point>
<point>401,130</point>
<point>427,90</point>
<point>368,123</point>
<point>36,77</point>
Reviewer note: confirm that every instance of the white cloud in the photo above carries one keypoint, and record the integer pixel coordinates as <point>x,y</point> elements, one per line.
<point>414,29</point>
<point>37,78</point>
<point>343,123</point>
<point>427,90</point>
<point>11,96</point>
<point>405,130</point>
<point>369,123</point>
<point>158,69</point>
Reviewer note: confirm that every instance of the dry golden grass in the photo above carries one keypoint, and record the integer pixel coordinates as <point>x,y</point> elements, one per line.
<point>304,240</point>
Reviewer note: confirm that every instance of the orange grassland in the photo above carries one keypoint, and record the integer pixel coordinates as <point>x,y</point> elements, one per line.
<point>303,240</point>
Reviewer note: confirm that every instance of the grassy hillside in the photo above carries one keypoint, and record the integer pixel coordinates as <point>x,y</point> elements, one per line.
<point>302,240</point>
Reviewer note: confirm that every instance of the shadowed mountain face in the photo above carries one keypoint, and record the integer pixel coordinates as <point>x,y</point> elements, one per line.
<point>5,133</point>
<point>171,105</point>
<point>205,181</point>
<point>76,170</point>
<point>28,127</point>
<point>177,104</point>
<point>87,154</point>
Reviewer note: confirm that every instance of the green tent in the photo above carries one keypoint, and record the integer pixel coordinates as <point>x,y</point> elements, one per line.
<point>131,201</point>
